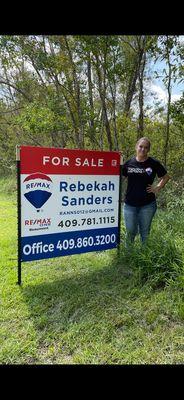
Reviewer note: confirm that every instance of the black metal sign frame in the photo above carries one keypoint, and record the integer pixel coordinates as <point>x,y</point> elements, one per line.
<point>18,213</point>
<point>19,280</point>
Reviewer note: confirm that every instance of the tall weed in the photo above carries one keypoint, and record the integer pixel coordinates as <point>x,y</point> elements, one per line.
<point>172,197</point>
<point>160,260</point>
<point>8,185</point>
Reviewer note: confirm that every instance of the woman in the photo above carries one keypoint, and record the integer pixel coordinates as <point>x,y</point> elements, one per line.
<point>140,201</point>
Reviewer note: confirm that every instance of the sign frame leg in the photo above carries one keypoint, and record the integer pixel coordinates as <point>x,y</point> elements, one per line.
<point>119,211</point>
<point>18,214</point>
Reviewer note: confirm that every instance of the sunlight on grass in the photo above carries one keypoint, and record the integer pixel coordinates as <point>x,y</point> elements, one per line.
<point>94,308</point>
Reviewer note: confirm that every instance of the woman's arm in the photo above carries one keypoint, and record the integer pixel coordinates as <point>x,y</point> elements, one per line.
<point>155,189</point>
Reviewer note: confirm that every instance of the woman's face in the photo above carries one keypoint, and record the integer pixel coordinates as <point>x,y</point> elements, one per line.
<point>142,148</point>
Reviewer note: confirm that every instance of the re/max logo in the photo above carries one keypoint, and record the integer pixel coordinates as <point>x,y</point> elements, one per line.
<point>40,222</point>
<point>37,185</point>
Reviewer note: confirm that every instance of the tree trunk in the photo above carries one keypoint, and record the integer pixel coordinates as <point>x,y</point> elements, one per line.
<point>104,108</point>
<point>77,96</point>
<point>133,79</point>
<point>141,99</point>
<point>90,93</point>
<point>135,74</point>
<point>113,94</point>
<point>101,131</point>
<point>168,108</point>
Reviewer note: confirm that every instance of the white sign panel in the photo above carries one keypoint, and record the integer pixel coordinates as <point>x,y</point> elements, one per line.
<point>69,201</point>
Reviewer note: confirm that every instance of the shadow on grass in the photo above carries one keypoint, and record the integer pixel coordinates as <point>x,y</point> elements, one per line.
<point>81,298</point>
<point>98,287</point>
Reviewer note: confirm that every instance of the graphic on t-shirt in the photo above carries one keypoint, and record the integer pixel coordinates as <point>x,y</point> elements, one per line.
<point>136,170</point>
<point>149,171</point>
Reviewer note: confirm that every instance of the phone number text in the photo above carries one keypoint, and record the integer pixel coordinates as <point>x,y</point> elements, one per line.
<point>86,221</point>
<point>68,244</point>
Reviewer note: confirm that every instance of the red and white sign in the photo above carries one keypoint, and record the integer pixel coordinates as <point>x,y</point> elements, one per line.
<point>69,201</point>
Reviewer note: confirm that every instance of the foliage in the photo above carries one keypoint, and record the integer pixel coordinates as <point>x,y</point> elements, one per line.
<point>72,91</point>
<point>177,110</point>
<point>171,197</point>
<point>91,308</point>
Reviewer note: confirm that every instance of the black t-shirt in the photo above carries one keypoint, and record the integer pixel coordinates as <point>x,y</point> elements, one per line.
<point>140,175</point>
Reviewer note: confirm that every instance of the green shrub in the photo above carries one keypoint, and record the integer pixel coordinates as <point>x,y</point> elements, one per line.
<point>160,261</point>
<point>172,196</point>
<point>157,262</point>
<point>8,185</point>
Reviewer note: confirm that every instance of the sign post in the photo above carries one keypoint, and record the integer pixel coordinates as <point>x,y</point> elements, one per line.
<point>68,202</point>
<point>19,213</point>
<point>119,205</point>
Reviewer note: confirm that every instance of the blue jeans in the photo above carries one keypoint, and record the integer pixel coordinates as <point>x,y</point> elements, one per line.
<point>138,219</point>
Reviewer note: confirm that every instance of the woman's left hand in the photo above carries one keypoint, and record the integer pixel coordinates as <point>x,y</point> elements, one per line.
<point>152,189</point>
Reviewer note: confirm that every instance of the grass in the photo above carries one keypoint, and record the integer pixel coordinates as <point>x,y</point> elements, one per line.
<point>94,308</point>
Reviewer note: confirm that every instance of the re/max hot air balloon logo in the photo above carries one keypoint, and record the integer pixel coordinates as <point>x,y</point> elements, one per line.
<point>37,189</point>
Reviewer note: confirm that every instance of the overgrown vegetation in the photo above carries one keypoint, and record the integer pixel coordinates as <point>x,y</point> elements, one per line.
<point>97,308</point>
<point>91,92</point>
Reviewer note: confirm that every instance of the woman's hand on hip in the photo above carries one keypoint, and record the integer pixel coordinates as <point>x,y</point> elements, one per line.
<point>152,189</point>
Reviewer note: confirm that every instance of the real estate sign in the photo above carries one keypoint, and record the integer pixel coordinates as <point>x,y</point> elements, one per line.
<point>69,201</point>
